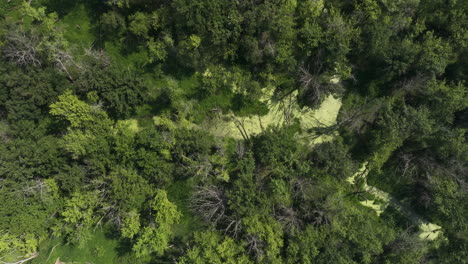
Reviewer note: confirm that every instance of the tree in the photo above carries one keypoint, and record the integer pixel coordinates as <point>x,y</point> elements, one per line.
<point>22,48</point>
<point>304,247</point>
<point>243,197</point>
<point>80,214</point>
<point>130,225</point>
<point>213,247</point>
<point>27,93</point>
<point>25,214</point>
<point>89,129</point>
<point>154,239</point>
<point>128,189</point>
<point>52,45</point>
<point>264,238</point>
<point>332,159</point>
<point>120,90</point>
<point>77,112</point>
<point>27,159</point>
<point>210,203</point>
<point>139,24</point>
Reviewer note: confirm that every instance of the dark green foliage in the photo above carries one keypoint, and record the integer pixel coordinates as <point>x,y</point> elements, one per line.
<point>106,115</point>
<point>332,159</point>
<point>26,207</point>
<point>27,159</point>
<point>27,94</point>
<point>119,90</point>
<point>128,189</point>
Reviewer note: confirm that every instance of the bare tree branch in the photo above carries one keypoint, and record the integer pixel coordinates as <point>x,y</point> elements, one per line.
<point>209,203</point>
<point>21,48</point>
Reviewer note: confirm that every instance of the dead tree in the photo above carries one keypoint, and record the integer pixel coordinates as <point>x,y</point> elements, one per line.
<point>240,149</point>
<point>324,212</point>
<point>406,241</point>
<point>320,217</point>
<point>255,246</point>
<point>302,187</point>
<point>233,226</point>
<point>99,56</point>
<point>62,60</point>
<point>21,48</point>
<point>241,127</point>
<point>31,256</point>
<point>289,218</point>
<point>311,86</point>
<point>210,203</point>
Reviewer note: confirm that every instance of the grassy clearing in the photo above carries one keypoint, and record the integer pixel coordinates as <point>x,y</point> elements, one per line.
<point>78,30</point>
<point>134,60</point>
<point>99,249</point>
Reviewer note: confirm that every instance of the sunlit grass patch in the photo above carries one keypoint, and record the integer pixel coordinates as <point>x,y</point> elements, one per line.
<point>99,249</point>
<point>78,29</point>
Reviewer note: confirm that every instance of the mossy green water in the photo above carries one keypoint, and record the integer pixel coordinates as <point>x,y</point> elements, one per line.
<point>427,231</point>
<point>280,113</point>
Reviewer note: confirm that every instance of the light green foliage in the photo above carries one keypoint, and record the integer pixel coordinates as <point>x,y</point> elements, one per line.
<point>128,189</point>
<point>25,214</point>
<point>157,50</point>
<point>371,8</point>
<point>24,244</point>
<point>52,44</point>
<point>195,41</point>
<point>139,24</point>
<point>39,14</point>
<point>79,208</point>
<point>280,192</point>
<point>79,215</point>
<point>77,112</point>
<point>213,247</point>
<point>119,3</point>
<point>311,8</point>
<point>76,143</point>
<point>88,127</point>
<point>435,53</point>
<point>130,225</point>
<point>266,238</point>
<point>124,139</point>
<point>151,241</point>
<point>166,213</point>
<point>98,249</point>
<point>155,239</point>
<point>284,51</point>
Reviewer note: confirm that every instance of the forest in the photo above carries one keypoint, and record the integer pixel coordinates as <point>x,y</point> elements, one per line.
<point>233,131</point>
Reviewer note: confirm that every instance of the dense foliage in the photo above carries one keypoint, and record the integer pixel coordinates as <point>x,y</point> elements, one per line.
<point>105,115</point>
